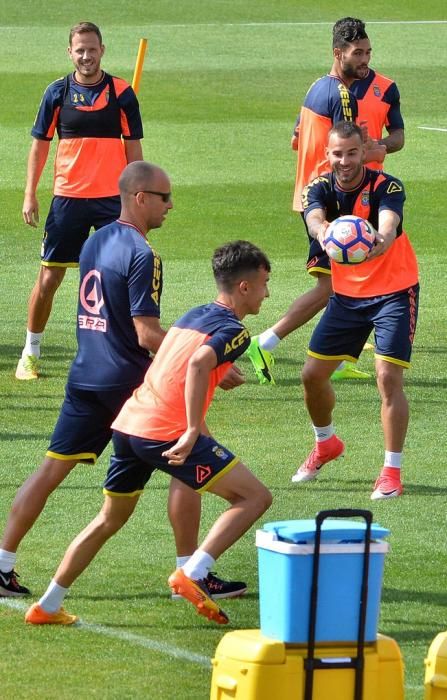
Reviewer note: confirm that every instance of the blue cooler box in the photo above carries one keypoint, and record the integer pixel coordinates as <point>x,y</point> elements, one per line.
<point>285,555</point>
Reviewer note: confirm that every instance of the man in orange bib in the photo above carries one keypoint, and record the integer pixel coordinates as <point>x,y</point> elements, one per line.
<point>352,91</point>
<point>97,121</point>
<point>380,294</point>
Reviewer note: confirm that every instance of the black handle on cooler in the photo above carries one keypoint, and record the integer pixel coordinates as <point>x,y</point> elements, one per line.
<point>344,513</point>
<point>357,662</point>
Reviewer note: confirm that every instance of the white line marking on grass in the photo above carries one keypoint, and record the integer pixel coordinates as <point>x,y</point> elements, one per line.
<point>13,603</point>
<point>146,642</point>
<point>432,128</point>
<point>323,24</point>
<point>295,24</point>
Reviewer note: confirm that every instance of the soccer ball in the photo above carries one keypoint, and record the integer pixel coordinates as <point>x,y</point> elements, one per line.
<point>349,239</point>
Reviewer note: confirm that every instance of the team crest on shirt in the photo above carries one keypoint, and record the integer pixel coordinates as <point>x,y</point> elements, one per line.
<point>219,452</point>
<point>394,187</point>
<point>376,91</point>
<point>365,198</point>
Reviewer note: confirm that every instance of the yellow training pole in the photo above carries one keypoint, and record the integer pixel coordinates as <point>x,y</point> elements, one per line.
<point>139,65</point>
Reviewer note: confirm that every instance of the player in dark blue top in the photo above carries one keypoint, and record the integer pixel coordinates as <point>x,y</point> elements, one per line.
<point>118,325</point>
<point>378,191</point>
<point>162,426</point>
<point>121,279</point>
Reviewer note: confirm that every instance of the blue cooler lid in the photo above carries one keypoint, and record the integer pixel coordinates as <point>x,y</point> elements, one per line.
<point>333,530</point>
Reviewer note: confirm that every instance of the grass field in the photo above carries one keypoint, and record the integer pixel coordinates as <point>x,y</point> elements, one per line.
<point>222,85</point>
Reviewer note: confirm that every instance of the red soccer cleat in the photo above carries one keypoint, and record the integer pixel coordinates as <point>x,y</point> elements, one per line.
<point>388,485</point>
<point>323,452</point>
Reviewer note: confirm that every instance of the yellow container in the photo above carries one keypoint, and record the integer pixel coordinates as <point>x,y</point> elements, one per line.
<point>249,666</point>
<point>436,669</point>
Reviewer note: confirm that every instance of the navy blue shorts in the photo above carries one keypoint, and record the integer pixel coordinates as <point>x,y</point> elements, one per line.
<point>135,459</point>
<point>83,430</point>
<point>347,322</point>
<point>68,226</point>
<point>318,262</point>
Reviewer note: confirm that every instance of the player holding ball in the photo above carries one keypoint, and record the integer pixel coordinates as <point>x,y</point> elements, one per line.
<point>349,239</point>
<point>379,294</point>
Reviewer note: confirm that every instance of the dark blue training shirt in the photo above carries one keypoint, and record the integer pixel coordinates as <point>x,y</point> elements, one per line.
<point>120,277</point>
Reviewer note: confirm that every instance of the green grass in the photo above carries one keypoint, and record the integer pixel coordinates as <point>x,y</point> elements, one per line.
<point>219,97</point>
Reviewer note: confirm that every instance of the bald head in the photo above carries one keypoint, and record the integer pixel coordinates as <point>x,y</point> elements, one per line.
<point>139,176</point>
<point>145,192</point>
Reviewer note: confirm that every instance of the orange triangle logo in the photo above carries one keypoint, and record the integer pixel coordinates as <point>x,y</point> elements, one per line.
<point>202,473</point>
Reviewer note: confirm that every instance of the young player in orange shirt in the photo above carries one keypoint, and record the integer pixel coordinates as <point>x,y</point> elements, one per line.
<point>162,427</point>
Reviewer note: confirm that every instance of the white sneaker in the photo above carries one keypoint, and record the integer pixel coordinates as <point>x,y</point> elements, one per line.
<point>28,368</point>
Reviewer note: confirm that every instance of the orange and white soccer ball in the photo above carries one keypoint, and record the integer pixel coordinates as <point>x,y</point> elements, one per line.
<point>349,239</point>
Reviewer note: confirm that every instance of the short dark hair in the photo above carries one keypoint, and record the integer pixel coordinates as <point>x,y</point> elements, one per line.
<point>234,260</point>
<point>345,130</point>
<point>84,28</point>
<point>347,30</point>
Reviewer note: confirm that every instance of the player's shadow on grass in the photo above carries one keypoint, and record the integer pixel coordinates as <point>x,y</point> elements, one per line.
<point>150,595</point>
<point>59,352</point>
<point>396,595</point>
<point>35,402</point>
<point>56,361</point>
<point>409,489</point>
<point>10,353</point>
<point>409,635</point>
<point>89,487</point>
<point>197,624</point>
<point>423,490</point>
<point>423,383</point>
<point>81,487</point>
<point>435,350</point>
<point>6,437</point>
<point>327,486</point>
<point>360,485</point>
<point>144,595</point>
